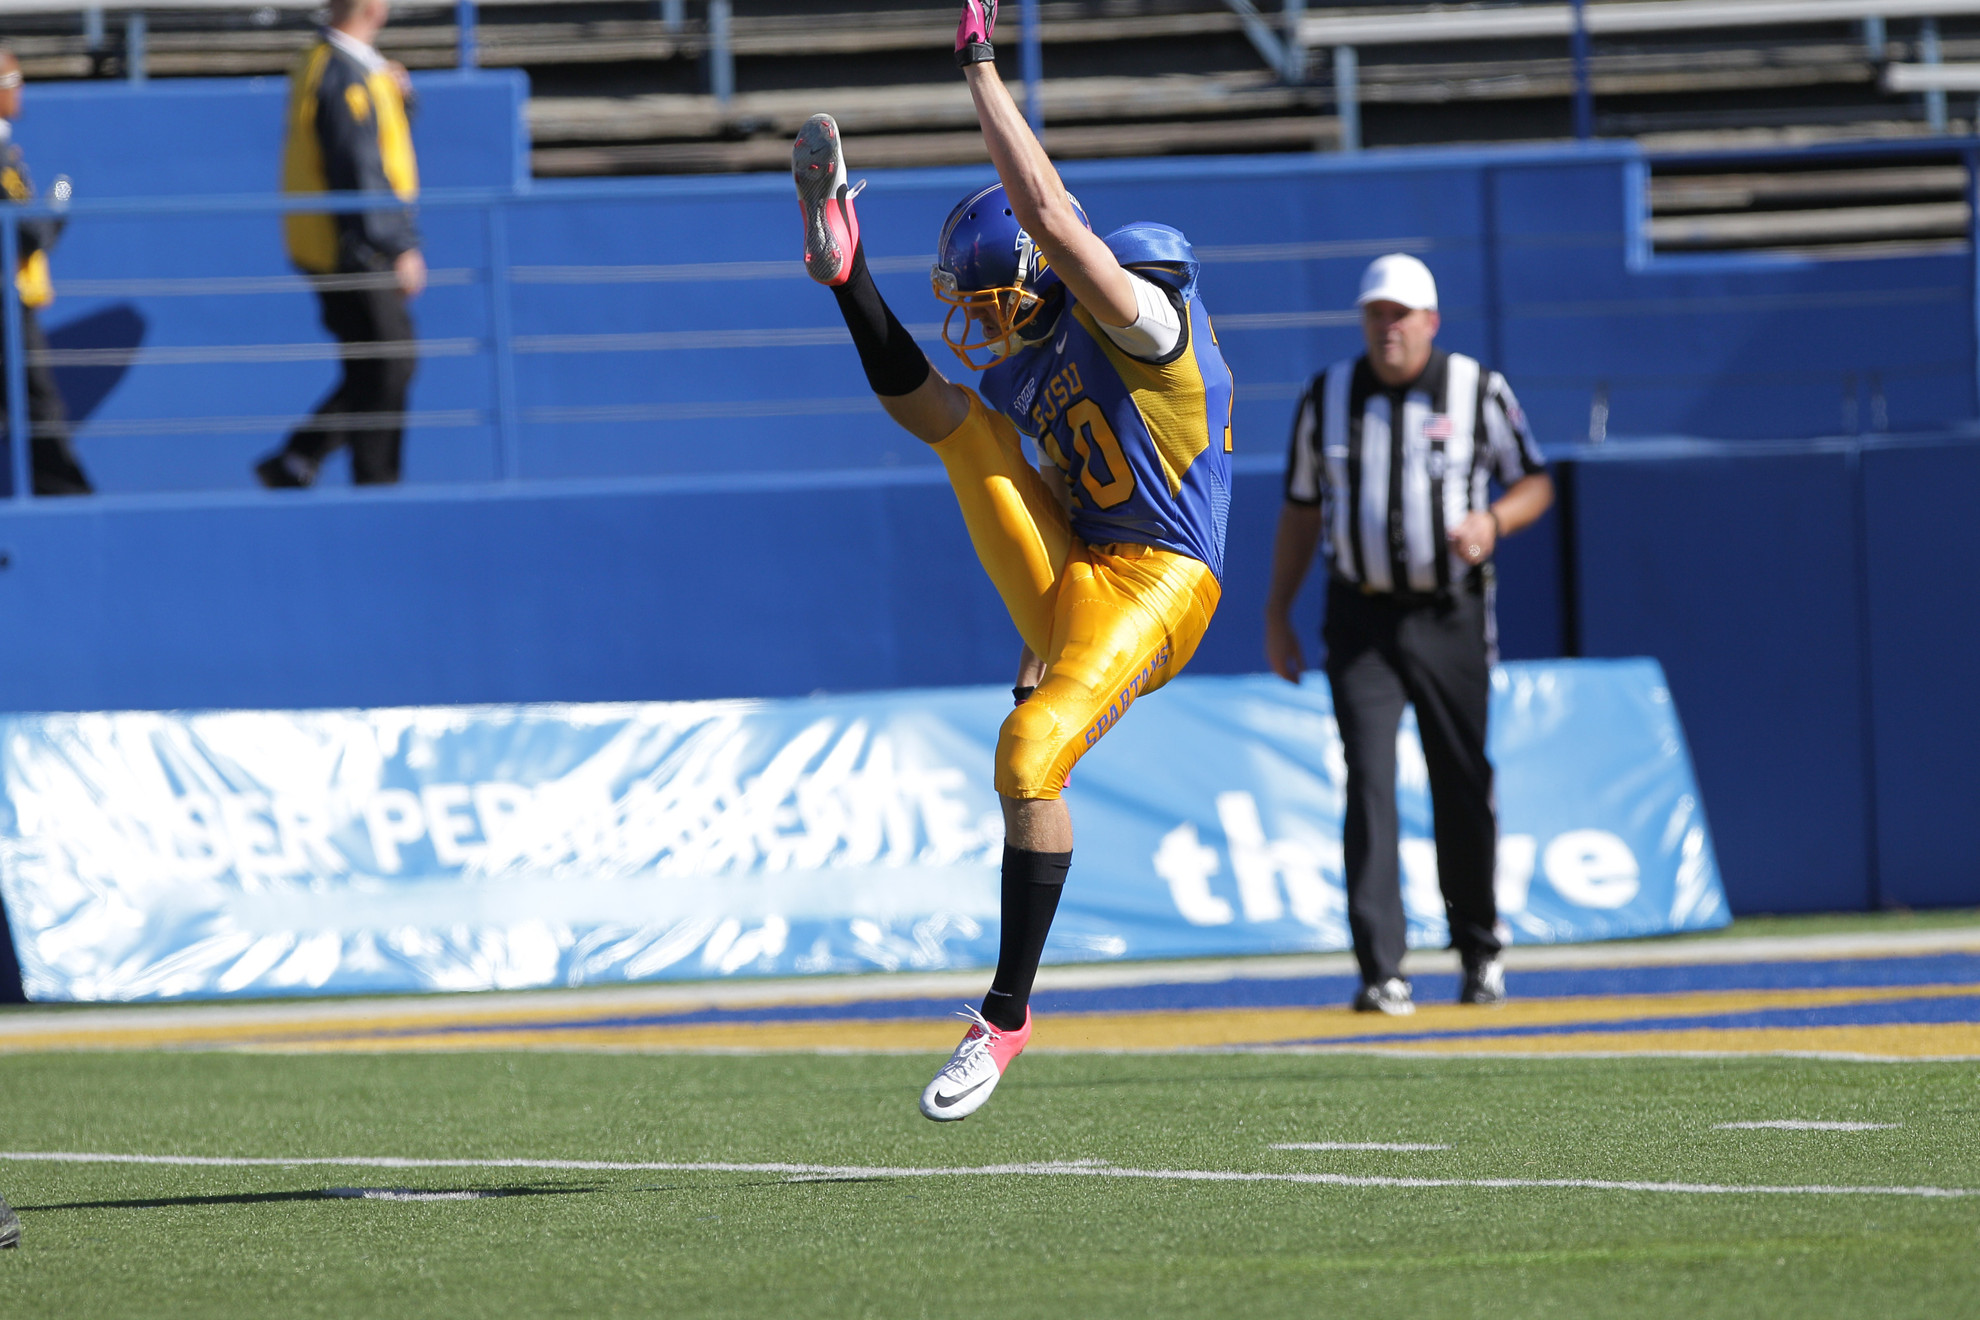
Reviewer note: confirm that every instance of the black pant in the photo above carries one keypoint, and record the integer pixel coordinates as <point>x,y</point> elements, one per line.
<point>56,471</point>
<point>1384,652</point>
<point>360,317</point>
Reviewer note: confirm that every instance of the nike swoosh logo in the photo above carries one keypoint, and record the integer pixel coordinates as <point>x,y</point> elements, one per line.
<point>949,1101</point>
<point>1060,347</point>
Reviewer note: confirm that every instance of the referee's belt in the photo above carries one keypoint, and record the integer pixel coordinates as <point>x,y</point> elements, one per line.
<point>1474,582</point>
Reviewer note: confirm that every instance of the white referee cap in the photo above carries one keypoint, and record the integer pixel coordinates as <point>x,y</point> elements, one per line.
<point>1398,278</point>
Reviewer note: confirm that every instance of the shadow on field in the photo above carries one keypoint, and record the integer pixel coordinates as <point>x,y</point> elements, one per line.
<point>267,1198</point>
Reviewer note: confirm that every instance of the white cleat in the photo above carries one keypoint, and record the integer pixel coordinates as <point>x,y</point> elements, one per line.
<point>974,1070</point>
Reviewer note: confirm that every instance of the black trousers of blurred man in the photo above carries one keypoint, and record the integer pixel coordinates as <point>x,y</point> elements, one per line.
<point>376,331</point>
<point>55,467</point>
<point>1428,650</point>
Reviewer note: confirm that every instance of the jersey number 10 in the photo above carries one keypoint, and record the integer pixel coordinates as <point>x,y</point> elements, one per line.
<point>1090,429</point>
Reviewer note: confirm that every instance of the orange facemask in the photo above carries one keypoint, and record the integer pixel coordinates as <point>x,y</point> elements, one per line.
<point>991,320</point>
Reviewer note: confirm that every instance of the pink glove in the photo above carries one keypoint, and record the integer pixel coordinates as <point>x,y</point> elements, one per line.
<point>973,32</point>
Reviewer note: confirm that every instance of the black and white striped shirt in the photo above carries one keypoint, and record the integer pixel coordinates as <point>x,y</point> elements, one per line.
<point>1392,469</point>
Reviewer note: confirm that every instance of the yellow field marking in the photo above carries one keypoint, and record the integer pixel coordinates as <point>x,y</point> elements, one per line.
<point>1166,1029</point>
<point>1272,1025</point>
<point>1906,1040</point>
<point>933,1035</point>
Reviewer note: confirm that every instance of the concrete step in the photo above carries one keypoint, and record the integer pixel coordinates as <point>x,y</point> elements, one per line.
<point>1832,225</point>
<point>861,110</point>
<point>1705,193</point>
<point>902,150</point>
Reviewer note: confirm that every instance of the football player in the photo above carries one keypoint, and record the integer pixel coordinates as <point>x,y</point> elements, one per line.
<point>1109,553</point>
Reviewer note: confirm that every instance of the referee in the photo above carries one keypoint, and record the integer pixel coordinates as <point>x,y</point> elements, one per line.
<point>1393,457</point>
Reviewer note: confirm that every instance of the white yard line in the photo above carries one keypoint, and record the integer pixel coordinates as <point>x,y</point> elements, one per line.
<point>404,1194</point>
<point>1805,1125</point>
<point>1077,1169</point>
<point>1354,1145</point>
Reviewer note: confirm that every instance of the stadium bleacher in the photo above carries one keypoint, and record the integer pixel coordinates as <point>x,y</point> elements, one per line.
<point>644,88</point>
<point>640,88</point>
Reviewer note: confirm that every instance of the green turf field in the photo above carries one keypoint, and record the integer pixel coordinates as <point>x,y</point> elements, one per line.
<point>108,1241</point>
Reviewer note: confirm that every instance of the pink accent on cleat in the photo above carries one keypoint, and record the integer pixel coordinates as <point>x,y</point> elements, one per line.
<point>831,228</point>
<point>974,1070</point>
<point>1007,1045</point>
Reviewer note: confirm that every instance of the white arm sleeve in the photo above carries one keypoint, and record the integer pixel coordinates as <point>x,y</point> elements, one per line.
<point>1157,328</point>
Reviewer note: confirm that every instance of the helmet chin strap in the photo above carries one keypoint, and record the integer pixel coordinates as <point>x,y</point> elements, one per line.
<point>1035,331</point>
<point>1041,326</point>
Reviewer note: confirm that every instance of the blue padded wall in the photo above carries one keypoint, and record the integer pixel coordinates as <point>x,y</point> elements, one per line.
<point>1739,574</point>
<point>1922,562</point>
<point>1732,346</point>
<point>679,589</point>
<point>222,137</point>
<point>643,589</point>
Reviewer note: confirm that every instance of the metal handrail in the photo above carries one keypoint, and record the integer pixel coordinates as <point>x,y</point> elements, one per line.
<point>466,21</point>
<point>1932,78</point>
<point>1604,18</point>
<point>171,6</point>
<point>14,365</point>
<point>1581,20</point>
<point>500,339</point>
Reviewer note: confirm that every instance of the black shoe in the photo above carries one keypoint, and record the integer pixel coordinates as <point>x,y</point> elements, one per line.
<point>284,471</point>
<point>10,1226</point>
<point>1391,997</point>
<point>1484,983</point>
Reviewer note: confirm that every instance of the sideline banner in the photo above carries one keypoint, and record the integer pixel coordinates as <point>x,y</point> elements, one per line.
<point>150,856</point>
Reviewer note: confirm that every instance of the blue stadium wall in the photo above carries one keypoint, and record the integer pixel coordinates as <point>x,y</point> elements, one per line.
<point>703,502</point>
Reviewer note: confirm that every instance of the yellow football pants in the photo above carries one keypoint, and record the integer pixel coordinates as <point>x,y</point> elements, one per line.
<point>1112,623</point>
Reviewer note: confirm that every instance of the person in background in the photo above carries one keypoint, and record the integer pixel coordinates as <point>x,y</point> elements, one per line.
<point>1393,458</point>
<point>56,470</point>
<point>349,131</point>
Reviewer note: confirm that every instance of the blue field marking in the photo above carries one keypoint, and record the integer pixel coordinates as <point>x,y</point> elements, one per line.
<point>1938,1011</point>
<point>1183,996</point>
<point>1334,991</point>
<point>1558,983</point>
<point>1838,973</point>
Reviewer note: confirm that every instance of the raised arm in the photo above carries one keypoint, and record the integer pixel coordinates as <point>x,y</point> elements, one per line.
<point>1038,195</point>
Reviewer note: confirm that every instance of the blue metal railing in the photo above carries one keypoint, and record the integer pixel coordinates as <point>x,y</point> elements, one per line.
<point>497,274</point>
<point>491,330</point>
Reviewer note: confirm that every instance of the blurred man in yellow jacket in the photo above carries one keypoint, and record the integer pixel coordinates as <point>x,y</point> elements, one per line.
<point>56,471</point>
<point>349,131</point>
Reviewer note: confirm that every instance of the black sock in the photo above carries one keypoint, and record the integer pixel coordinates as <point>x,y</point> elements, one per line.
<point>1033,882</point>
<point>895,364</point>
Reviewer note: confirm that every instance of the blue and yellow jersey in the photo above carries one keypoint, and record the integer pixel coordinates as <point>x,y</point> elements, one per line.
<point>1145,446</point>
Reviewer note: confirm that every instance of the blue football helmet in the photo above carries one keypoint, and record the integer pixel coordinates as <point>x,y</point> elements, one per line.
<point>990,273</point>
